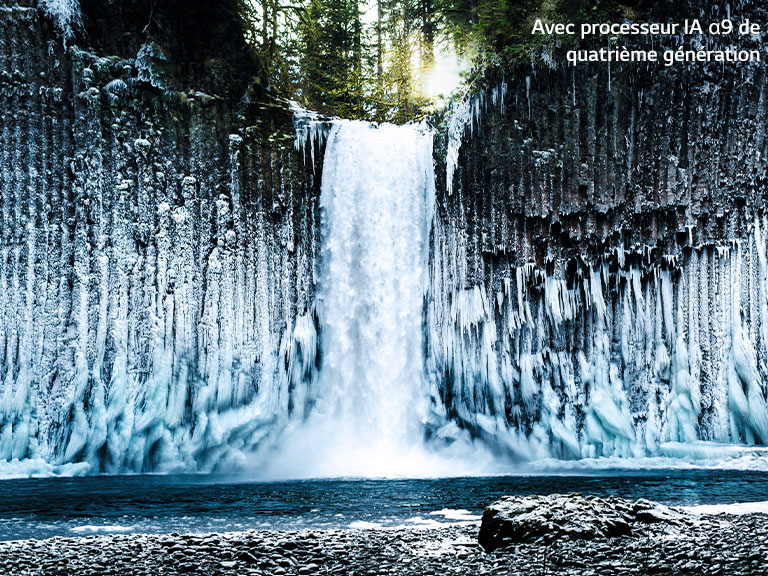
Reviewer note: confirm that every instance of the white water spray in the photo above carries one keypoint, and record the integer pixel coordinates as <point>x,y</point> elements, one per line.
<point>371,403</point>
<point>377,194</point>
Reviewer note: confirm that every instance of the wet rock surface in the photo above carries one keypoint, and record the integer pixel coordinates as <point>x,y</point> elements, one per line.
<point>518,519</point>
<point>586,218</point>
<point>707,545</point>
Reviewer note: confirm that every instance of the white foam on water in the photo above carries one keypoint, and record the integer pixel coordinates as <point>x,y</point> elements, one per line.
<point>102,529</point>
<point>363,525</point>
<point>460,515</point>
<point>736,508</point>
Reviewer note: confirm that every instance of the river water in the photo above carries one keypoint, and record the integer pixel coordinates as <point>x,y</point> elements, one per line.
<point>42,508</point>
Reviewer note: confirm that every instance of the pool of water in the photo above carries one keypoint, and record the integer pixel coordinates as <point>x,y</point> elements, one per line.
<point>42,508</point>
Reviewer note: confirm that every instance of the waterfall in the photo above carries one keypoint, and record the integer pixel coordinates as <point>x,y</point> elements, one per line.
<point>369,400</point>
<point>377,195</point>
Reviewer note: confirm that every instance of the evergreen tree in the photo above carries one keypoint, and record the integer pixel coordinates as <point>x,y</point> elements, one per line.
<point>324,54</point>
<point>332,61</point>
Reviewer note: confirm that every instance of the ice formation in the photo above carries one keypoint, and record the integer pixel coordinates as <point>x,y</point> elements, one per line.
<point>610,363</point>
<point>311,131</point>
<point>591,296</point>
<point>397,344</point>
<point>464,116</point>
<point>64,13</point>
<point>154,316</point>
<point>148,361</point>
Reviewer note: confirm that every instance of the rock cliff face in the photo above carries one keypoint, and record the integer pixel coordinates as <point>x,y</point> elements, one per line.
<point>599,260</point>
<point>156,255</point>
<point>598,272</point>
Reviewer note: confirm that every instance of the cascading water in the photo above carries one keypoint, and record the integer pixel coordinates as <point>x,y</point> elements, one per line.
<point>377,195</point>
<point>370,401</point>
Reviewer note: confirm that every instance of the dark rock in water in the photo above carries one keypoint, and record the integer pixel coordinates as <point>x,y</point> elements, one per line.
<point>527,519</point>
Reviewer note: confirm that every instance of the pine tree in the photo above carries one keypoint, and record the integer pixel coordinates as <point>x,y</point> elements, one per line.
<point>332,62</point>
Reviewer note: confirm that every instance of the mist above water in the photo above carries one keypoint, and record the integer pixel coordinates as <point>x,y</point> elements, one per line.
<point>370,398</point>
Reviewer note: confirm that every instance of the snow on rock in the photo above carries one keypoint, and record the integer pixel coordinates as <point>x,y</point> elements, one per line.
<point>64,13</point>
<point>152,66</point>
<point>528,519</point>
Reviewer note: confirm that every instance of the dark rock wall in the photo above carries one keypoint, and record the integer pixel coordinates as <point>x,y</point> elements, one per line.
<point>599,277</point>
<point>157,249</point>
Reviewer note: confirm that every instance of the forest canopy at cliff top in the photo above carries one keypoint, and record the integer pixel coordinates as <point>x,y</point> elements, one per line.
<point>391,60</point>
<point>383,60</point>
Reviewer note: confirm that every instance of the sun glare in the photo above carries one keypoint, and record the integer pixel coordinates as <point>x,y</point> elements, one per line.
<point>445,77</point>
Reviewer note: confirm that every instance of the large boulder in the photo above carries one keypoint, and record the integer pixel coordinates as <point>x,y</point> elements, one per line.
<point>525,519</point>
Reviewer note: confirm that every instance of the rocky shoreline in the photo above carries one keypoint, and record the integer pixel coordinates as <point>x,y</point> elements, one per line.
<point>659,543</point>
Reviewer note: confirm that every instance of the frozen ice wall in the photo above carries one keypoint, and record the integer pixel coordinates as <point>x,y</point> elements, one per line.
<point>612,360</point>
<point>597,275</point>
<point>156,263</point>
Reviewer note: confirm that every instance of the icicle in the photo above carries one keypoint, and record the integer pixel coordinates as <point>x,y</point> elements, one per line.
<point>311,131</point>
<point>528,93</point>
<point>460,119</point>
